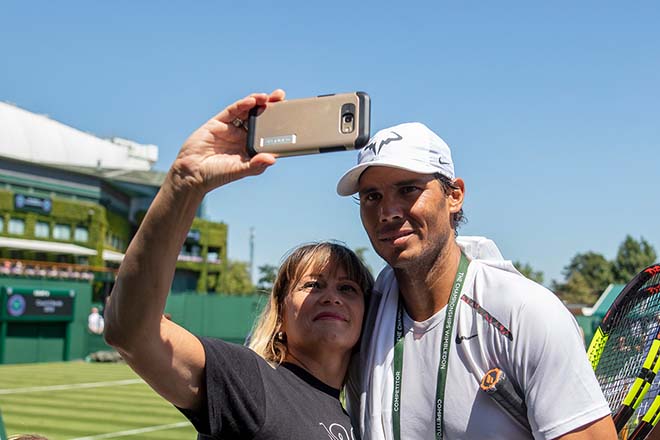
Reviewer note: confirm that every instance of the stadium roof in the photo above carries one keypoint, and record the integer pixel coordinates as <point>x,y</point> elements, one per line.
<point>37,138</point>
<point>134,182</point>
<point>140,177</point>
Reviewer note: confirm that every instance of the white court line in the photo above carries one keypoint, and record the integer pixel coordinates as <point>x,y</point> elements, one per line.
<point>73,386</point>
<point>134,431</point>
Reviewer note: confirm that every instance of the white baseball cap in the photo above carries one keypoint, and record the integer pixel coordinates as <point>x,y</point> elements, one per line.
<point>411,146</point>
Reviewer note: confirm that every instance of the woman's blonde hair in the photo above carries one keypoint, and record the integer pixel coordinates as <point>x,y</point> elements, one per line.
<point>264,339</point>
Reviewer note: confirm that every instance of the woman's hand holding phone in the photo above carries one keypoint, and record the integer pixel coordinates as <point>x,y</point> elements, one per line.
<point>215,153</point>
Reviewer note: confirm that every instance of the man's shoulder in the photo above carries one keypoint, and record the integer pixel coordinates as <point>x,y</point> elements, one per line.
<point>503,274</point>
<point>501,285</point>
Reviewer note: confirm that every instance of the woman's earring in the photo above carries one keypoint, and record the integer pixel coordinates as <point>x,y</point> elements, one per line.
<point>281,337</point>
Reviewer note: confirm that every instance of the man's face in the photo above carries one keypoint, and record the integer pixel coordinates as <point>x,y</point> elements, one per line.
<point>406,215</point>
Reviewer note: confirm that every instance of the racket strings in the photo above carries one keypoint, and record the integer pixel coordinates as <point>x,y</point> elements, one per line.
<point>633,329</point>
<point>651,287</point>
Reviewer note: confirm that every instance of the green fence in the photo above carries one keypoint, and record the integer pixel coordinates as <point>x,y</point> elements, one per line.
<point>228,317</point>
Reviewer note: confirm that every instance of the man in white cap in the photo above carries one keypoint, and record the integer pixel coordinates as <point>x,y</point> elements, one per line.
<point>447,310</point>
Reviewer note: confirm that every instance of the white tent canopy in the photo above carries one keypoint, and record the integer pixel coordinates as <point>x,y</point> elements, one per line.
<point>45,246</point>
<point>65,248</point>
<point>113,256</point>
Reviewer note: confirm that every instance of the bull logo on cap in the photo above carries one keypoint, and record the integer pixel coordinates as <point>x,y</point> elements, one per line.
<point>372,145</point>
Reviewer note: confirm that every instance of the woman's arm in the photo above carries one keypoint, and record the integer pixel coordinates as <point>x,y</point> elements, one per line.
<point>165,355</point>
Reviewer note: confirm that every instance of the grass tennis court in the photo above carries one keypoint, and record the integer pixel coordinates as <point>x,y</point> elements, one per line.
<point>91,401</point>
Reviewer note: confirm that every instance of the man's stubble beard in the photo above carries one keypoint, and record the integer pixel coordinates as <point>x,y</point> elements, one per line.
<point>423,264</point>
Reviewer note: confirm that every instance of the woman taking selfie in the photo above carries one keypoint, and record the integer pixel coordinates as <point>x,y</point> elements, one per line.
<point>287,386</point>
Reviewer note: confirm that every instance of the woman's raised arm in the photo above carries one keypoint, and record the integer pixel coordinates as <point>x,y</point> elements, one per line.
<point>165,355</point>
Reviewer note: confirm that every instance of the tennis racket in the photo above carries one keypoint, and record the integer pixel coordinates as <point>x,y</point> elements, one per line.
<point>649,420</point>
<point>625,350</point>
<point>501,390</point>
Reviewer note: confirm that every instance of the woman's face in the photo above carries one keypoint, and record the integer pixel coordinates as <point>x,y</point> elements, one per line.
<point>323,311</point>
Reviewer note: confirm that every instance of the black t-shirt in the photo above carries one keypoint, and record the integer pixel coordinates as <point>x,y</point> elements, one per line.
<point>246,398</point>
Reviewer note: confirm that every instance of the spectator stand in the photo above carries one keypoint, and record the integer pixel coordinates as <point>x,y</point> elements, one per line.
<point>50,270</point>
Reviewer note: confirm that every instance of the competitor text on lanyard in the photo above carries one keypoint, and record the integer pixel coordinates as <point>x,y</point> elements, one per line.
<point>444,356</point>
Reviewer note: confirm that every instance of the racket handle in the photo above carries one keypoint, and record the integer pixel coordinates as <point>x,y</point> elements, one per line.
<point>642,430</point>
<point>649,420</point>
<point>501,390</point>
<point>622,416</point>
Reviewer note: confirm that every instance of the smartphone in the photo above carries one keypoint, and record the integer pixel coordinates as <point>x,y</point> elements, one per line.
<point>321,124</point>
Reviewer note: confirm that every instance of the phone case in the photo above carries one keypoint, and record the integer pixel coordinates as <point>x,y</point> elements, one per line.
<point>310,125</point>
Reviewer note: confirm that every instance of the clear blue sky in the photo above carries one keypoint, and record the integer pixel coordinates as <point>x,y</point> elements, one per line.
<point>552,110</point>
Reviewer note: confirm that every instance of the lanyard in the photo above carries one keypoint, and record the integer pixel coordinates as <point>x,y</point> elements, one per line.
<point>444,356</point>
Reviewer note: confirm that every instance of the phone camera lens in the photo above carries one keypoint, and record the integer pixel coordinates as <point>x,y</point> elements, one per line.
<point>347,122</point>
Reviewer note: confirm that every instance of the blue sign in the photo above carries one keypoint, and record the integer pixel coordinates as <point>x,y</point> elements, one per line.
<point>33,203</point>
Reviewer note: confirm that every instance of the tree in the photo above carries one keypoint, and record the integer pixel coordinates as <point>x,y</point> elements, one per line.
<point>236,279</point>
<point>267,275</point>
<point>632,257</point>
<point>576,290</point>
<point>587,275</point>
<point>528,271</point>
